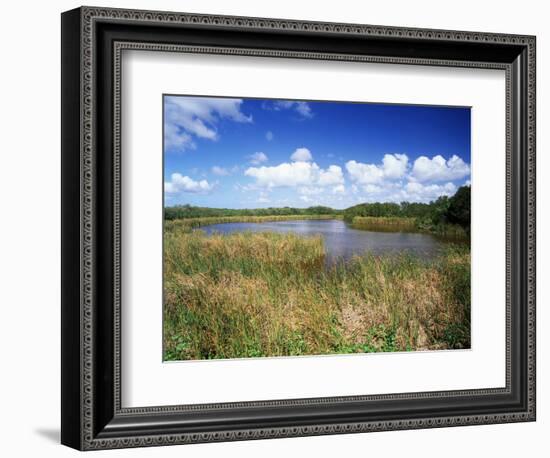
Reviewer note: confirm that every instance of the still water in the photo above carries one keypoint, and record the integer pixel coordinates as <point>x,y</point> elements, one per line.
<point>341,240</point>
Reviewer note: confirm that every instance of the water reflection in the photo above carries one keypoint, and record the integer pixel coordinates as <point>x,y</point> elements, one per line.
<point>341,240</point>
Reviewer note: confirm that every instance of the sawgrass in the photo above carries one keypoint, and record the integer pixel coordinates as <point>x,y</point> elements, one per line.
<point>270,294</point>
<point>402,224</point>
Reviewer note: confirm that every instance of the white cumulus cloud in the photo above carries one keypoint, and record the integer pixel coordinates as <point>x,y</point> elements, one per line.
<point>331,176</point>
<point>364,173</point>
<point>257,158</point>
<point>220,171</point>
<point>415,191</point>
<point>438,169</point>
<point>301,172</point>
<point>302,108</point>
<point>301,155</point>
<point>179,183</point>
<point>395,180</point>
<point>339,189</point>
<point>412,191</point>
<point>394,166</point>
<point>374,189</point>
<point>285,174</point>
<point>175,139</point>
<point>188,117</point>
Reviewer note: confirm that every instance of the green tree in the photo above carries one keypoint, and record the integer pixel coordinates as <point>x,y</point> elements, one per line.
<point>459,208</point>
<point>439,210</point>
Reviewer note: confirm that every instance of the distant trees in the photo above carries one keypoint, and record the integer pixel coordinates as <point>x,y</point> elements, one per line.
<point>189,211</point>
<point>414,209</point>
<point>375,209</point>
<point>443,211</point>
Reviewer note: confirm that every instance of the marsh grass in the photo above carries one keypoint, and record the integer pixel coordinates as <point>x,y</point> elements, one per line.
<point>270,294</point>
<point>390,224</point>
<point>193,223</point>
<point>402,224</point>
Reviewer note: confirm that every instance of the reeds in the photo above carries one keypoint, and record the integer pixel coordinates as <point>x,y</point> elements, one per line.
<point>269,294</point>
<point>383,224</point>
<point>186,224</point>
<point>401,224</point>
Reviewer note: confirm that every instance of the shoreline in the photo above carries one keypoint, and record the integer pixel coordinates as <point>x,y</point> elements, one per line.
<point>370,224</point>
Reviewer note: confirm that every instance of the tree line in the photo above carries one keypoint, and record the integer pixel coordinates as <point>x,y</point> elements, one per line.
<point>442,211</point>
<point>189,211</point>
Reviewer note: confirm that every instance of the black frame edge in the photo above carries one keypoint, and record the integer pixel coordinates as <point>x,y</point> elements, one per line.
<point>70,230</point>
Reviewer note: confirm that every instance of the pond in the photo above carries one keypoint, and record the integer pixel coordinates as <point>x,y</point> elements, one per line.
<point>341,240</point>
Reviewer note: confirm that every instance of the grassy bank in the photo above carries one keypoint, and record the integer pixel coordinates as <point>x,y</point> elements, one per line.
<point>384,224</point>
<point>400,224</point>
<point>192,223</point>
<point>268,294</point>
<point>190,211</point>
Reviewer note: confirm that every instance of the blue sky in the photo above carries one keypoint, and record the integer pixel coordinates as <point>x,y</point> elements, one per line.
<point>252,153</point>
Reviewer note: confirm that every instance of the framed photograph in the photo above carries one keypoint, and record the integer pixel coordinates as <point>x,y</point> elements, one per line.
<point>276,228</point>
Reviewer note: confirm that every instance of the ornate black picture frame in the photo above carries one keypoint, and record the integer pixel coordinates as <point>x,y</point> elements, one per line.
<point>92,42</point>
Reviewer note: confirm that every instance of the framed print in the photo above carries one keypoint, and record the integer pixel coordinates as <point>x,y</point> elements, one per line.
<point>276,228</point>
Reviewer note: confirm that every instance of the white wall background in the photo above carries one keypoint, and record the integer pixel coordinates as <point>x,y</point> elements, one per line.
<point>30,229</point>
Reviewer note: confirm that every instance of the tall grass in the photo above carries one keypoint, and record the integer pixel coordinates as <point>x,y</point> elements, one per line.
<point>383,224</point>
<point>192,223</point>
<point>402,224</point>
<point>270,294</point>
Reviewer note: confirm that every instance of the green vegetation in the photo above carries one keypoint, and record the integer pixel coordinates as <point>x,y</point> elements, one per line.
<point>189,211</point>
<point>193,223</point>
<point>384,224</point>
<point>446,216</point>
<point>458,210</point>
<point>268,294</point>
<point>398,224</point>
